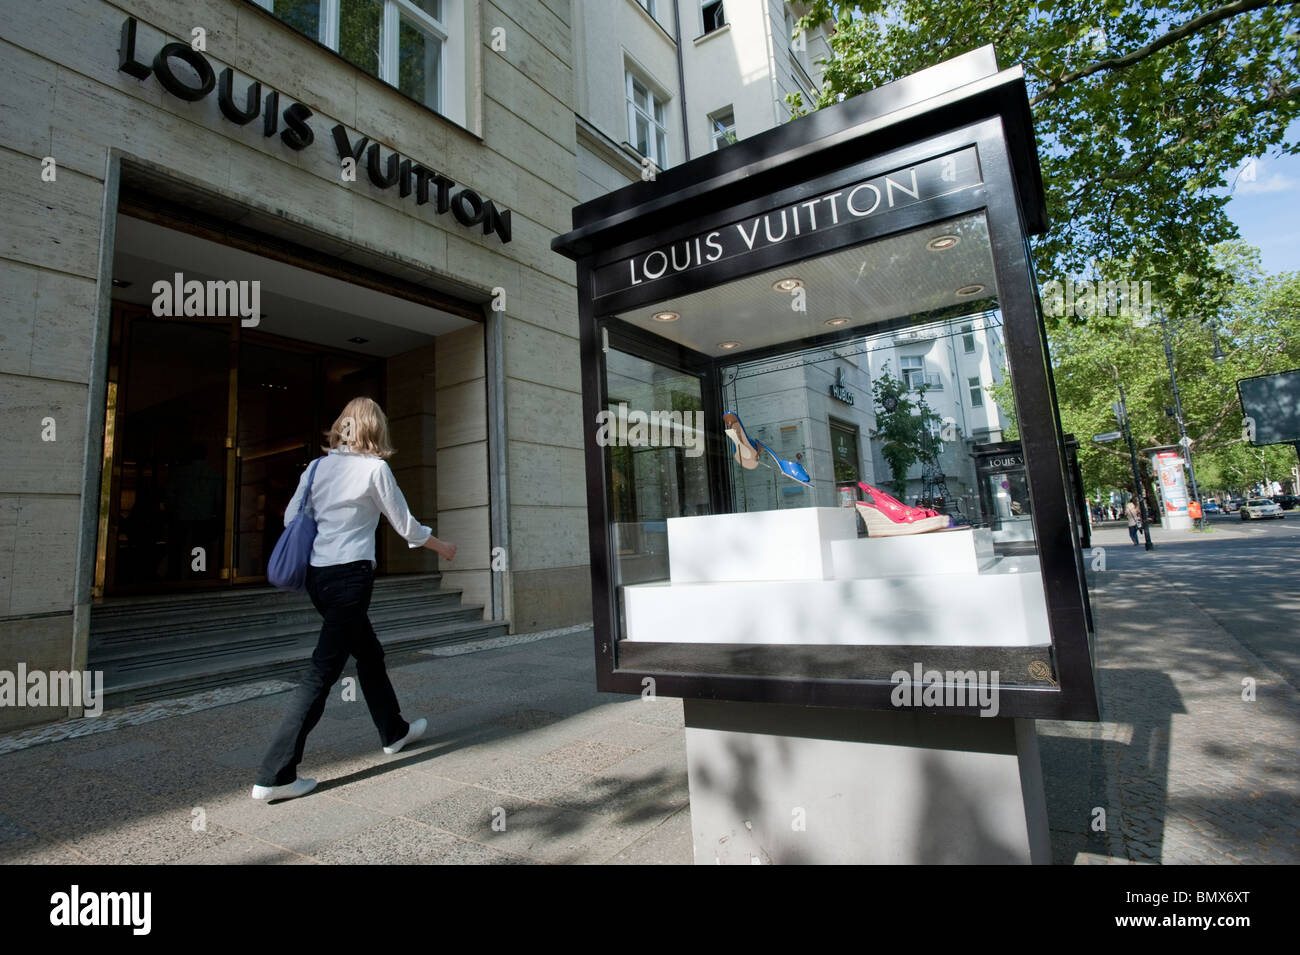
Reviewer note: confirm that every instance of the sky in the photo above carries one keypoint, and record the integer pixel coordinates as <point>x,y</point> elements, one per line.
<point>1266,208</point>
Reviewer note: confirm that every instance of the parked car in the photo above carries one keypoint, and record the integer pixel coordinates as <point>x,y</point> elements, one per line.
<point>1231,505</point>
<point>1212,507</point>
<point>1258,508</point>
<point>1285,501</point>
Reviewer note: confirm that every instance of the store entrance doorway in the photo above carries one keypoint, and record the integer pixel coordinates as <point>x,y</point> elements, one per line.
<point>188,505</point>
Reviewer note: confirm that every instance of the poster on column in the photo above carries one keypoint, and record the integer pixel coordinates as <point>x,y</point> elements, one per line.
<point>1168,468</point>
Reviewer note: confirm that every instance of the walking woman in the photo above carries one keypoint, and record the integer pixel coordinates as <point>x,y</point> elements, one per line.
<point>353,486</point>
<point>1134,519</point>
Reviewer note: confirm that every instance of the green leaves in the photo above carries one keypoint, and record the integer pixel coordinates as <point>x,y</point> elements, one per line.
<point>904,425</point>
<point>1140,113</point>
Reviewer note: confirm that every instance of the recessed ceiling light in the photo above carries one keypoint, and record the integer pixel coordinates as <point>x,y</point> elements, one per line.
<point>727,346</point>
<point>787,285</point>
<point>358,340</point>
<point>941,242</point>
<point>121,283</point>
<point>969,290</point>
<point>665,316</point>
<point>837,322</point>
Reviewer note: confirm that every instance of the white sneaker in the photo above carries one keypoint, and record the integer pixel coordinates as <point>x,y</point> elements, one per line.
<point>299,787</point>
<point>415,732</point>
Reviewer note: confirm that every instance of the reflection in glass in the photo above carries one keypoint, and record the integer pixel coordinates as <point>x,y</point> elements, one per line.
<point>302,15</point>
<point>359,33</point>
<point>419,64</point>
<point>655,460</point>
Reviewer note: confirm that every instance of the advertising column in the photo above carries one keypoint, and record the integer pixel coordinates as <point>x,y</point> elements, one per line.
<point>1167,466</point>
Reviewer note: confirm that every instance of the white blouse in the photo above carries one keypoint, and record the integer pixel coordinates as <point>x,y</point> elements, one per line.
<point>349,493</point>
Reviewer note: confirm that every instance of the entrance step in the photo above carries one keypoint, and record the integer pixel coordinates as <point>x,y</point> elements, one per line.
<point>157,647</point>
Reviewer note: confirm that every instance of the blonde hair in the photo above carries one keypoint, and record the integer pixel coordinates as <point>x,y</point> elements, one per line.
<point>363,427</point>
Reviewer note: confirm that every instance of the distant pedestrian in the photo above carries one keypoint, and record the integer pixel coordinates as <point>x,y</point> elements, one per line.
<point>1134,519</point>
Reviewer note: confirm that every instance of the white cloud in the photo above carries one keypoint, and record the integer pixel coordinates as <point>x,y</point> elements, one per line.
<point>1272,182</point>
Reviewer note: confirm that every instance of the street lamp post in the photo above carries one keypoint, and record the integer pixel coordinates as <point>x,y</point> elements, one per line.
<point>1184,440</point>
<point>1122,415</point>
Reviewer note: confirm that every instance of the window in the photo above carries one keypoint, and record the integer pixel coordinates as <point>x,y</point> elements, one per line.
<point>648,6</point>
<point>913,367</point>
<point>976,392</point>
<point>722,127</point>
<point>967,339</point>
<point>844,452</point>
<point>714,18</point>
<point>405,43</point>
<point>645,121</point>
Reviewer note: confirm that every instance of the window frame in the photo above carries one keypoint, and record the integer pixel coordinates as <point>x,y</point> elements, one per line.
<point>975,390</point>
<point>450,83</point>
<point>713,132</point>
<point>704,26</point>
<point>633,78</point>
<point>918,368</point>
<point>968,339</point>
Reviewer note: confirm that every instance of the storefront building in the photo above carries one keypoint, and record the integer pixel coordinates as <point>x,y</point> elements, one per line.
<point>225,219</point>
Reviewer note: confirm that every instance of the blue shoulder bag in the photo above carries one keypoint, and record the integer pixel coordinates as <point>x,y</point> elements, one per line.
<point>287,568</point>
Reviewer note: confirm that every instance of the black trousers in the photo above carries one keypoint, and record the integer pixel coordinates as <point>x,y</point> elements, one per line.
<point>342,595</point>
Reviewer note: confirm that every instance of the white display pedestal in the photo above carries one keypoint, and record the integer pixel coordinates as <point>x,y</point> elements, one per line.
<point>803,576</point>
<point>1002,608</point>
<point>794,544</point>
<point>774,784</point>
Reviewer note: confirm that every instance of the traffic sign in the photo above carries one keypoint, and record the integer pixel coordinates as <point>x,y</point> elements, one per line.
<point>1185,441</point>
<point>1107,436</point>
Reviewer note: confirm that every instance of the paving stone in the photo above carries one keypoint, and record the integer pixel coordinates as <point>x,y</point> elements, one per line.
<point>469,811</point>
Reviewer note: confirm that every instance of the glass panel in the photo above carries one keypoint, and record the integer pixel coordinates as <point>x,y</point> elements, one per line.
<point>642,135</point>
<point>275,441</point>
<point>640,97</point>
<point>713,15</point>
<point>967,340</point>
<point>661,147</point>
<point>724,129</point>
<point>653,431</point>
<point>173,454</point>
<point>936,547</point>
<point>302,15</point>
<point>418,56</point>
<point>432,7</point>
<point>359,32</point>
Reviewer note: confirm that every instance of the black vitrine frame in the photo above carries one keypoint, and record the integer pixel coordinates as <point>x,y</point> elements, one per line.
<point>964,102</point>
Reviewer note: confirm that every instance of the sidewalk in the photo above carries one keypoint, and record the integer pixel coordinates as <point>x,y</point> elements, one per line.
<point>516,734</point>
<point>1184,770</point>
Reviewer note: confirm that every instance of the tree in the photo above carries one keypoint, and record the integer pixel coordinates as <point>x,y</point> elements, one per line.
<point>1141,110</point>
<point>1255,320</point>
<point>905,427</point>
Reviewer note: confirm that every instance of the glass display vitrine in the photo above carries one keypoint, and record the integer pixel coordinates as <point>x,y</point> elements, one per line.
<point>797,354</point>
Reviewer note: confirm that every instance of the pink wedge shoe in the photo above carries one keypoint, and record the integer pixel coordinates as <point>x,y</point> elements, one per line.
<point>886,516</point>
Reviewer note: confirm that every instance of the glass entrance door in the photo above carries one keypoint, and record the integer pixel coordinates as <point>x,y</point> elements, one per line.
<point>274,442</point>
<point>167,507</point>
<point>207,430</point>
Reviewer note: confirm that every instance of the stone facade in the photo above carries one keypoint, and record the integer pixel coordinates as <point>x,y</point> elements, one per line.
<point>67,100</point>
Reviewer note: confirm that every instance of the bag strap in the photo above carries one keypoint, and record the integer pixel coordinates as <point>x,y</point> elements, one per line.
<point>311,476</point>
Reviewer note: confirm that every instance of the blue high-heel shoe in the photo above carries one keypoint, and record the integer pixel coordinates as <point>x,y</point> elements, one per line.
<point>747,451</point>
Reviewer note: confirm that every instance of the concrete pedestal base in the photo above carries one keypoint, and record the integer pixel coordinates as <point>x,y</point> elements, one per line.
<point>774,784</point>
